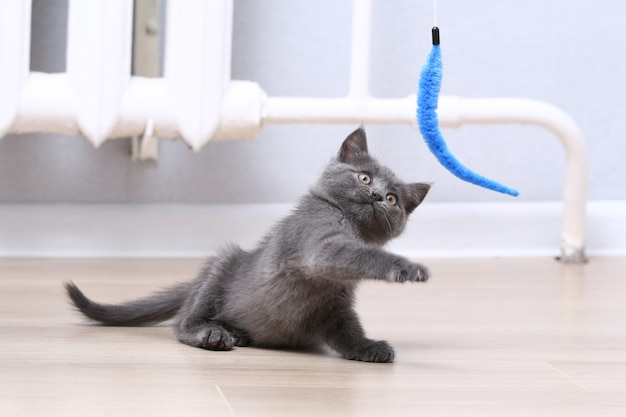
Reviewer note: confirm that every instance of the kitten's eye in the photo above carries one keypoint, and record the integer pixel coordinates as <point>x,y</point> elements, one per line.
<point>392,199</point>
<point>365,178</point>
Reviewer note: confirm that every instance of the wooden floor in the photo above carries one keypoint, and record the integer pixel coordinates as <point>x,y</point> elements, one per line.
<point>504,337</point>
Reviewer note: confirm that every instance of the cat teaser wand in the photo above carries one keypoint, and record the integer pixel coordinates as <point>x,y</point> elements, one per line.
<point>427,101</point>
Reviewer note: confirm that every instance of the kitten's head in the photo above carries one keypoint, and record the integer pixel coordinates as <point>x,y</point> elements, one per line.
<point>373,199</point>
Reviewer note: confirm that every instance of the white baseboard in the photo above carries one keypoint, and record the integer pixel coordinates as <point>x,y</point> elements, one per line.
<point>436,229</point>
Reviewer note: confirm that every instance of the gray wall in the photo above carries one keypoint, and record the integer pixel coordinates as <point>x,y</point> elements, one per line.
<point>568,53</point>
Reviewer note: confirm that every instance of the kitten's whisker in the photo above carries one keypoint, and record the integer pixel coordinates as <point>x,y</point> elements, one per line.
<point>388,222</point>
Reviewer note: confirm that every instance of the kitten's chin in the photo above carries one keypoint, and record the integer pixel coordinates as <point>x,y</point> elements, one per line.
<point>374,226</point>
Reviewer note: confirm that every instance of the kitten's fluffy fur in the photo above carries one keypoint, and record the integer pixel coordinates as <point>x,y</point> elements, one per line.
<point>296,289</point>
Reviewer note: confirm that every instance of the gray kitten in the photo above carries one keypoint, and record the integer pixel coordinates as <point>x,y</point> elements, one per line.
<point>297,288</point>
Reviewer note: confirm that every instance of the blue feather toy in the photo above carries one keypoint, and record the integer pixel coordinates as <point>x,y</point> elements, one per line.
<point>427,102</point>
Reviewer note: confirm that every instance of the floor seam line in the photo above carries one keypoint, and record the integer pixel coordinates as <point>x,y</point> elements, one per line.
<point>566,376</point>
<point>223,397</point>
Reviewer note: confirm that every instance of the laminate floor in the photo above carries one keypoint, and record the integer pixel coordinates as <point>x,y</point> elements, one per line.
<point>489,337</point>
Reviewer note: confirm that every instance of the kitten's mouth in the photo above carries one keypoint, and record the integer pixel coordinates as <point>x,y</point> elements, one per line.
<point>375,207</point>
<point>374,198</point>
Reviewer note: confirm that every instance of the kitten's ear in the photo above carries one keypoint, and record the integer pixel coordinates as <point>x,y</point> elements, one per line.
<point>354,147</point>
<point>415,194</point>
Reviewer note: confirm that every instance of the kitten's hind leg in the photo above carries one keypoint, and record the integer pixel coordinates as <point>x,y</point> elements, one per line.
<point>345,335</point>
<point>372,351</point>
<point>212,335</point>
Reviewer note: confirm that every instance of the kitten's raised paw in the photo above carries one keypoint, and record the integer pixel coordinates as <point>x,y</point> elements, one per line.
<point>421,273</point>
<point>409,271</point>
<point>375,351</point>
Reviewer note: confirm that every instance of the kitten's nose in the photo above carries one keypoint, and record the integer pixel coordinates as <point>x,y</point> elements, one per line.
<point>376,197</point>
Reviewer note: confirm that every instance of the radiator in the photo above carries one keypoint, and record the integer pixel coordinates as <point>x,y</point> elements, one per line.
<point>196,101</point>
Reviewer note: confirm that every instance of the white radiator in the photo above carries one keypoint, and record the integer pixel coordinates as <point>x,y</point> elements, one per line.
<point>196,101</point>
<point>99,99</point>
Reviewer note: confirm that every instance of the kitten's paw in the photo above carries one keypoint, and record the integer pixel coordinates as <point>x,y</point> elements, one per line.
<point>374,351</point>
<point>409,271</point>
<point>217,338</point>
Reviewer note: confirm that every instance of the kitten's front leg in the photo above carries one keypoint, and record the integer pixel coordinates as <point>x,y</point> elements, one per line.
<point>352,262</point>
<point>345,334</point>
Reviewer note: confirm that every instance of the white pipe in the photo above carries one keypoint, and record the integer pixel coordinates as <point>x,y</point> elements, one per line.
<point>14,58</point>
<point>197,65</point>
<point>340,110</point>
<point>98,62</point>
<point>455,112</point>
<point>360,53</point>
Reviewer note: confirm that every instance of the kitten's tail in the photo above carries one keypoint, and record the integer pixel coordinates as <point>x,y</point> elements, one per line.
<point>144,311</point>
